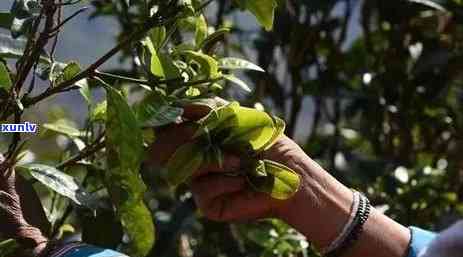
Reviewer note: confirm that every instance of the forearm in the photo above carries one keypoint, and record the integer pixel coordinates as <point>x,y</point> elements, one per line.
<point>322,207</point>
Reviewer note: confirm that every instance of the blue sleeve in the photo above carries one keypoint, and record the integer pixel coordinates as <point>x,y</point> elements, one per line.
<point>84,250</point>
<point>420,239</point>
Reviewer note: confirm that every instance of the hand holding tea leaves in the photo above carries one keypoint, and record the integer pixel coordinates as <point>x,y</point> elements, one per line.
<point>236,129</point>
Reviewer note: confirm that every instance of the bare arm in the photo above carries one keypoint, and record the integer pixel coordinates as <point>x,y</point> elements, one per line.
<point>322,206</point>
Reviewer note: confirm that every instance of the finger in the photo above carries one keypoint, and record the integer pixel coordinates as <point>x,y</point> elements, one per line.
<point>212,186</point>
<point>168,139</point>
<point>239,206</point>
<point>195,111</point>
<point>231,163</point>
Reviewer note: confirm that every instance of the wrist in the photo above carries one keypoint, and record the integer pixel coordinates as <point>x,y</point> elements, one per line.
<point>323,204</point>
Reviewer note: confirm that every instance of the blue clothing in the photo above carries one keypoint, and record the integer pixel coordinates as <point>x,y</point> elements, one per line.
<point>84,250</point>
<point>420,239</point>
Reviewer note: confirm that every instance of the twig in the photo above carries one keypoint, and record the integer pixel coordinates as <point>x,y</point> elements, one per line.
<point>88,151</point>
<point>61,24</point>
<point>157,21</point>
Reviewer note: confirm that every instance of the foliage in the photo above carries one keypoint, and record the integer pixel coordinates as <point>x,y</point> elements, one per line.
<point>370,89</point>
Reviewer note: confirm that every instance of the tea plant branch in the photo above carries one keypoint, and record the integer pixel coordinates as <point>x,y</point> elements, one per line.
<point>61,24</point>
<point>157,83</point>
<point>86,152</point>
<point>49,10</point>
<point>154,22</point>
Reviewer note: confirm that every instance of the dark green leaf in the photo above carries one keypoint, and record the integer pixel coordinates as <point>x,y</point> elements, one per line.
<point>124,146</point>
<point>154,111</point>
<point>209,43</point>
<point>61,183</point>
<point>6,20</point>
<point>5,80</point>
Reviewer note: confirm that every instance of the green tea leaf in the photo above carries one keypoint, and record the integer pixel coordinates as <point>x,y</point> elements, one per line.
<point>124,146</point>
<point>211,41</point>
<point>85,91</point>
<point>5,80</point>
<point>208,66</point>
<point>264,10</point>
<point>154,111</point>
<point>237,81</point>
<point>157,36</point>
<point>99,112</point>
<point>61,183</point>
<point>232,63</point>
<point>63,127</point>
<point>279,181</point>
<point>183,163</point>
<point>201,30</point>
<point>6,19</point>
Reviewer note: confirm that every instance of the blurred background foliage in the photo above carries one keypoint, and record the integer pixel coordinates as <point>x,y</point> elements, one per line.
<point>371,89</point>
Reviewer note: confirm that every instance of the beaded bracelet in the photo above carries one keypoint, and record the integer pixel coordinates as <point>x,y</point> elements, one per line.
<point>347,227</point>
<point>361,217</point>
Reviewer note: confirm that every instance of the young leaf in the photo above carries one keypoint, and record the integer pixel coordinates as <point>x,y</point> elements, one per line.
<point>201,30</point>
<point>157,36</point>
<point>209,66</point>
<point>63,127</point>
<point>124,146</point>
<point>236,80</point>
<point>61,183</point>
<point>85,91</point>
<point>264,10</point>
<point>232,63</point>
<point>99,112</point>
<point>183,163</point>
<point>209,43</point>
<point>5,80</point>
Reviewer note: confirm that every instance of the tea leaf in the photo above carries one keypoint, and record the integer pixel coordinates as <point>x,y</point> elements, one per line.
<point>237,81</point>
<point>61,183</point>
<point>232,63</point>
<point>279,181</point>
<point>5,80</point>
<point>184,162</point>
<point>124,146</point>
<point>264,10</point>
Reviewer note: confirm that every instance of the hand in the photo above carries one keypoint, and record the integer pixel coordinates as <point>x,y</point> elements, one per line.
<point>220,196</point>
<point>21,213</point>
<point>319,209</point>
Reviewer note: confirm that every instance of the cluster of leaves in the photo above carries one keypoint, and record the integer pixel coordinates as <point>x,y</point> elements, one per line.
<point>380,80</point>
<point>109,152</point>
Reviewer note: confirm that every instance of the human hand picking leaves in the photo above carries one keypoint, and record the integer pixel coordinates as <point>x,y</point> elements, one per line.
<point>221,184</point>
<point>319,208</point>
